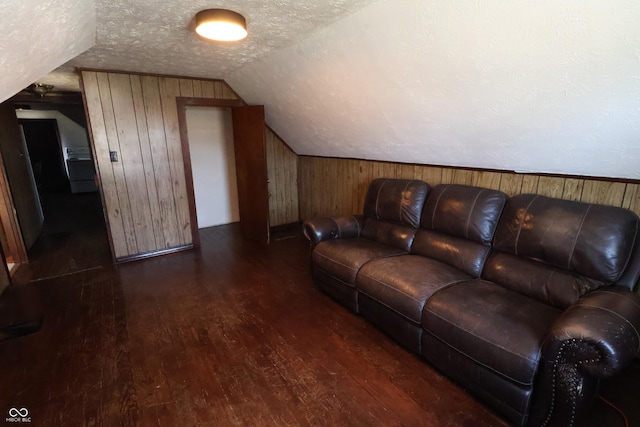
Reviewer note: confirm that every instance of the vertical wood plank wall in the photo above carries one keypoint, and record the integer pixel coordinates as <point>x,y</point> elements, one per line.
<point>10,237</point>
<point>145,192</point>
<point>331,186</point>
<point>282,171</point>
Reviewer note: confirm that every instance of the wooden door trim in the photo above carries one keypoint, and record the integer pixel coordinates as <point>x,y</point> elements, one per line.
<point>183,103</point>
<point>9,221</point>
<point>98,176</point>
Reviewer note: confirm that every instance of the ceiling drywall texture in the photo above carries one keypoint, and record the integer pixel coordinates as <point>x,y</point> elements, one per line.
<point>38,36</point>
<point>540,86</point>
<point>156,36</point>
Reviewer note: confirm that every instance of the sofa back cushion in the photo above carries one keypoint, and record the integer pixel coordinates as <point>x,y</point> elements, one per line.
<point>457,225</point>
<point>392,209</point>
<point>557,250</point>
<point>396,200</point>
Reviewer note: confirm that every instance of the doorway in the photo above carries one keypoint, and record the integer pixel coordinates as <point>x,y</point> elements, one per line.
<point>213,165</point>
<point>250,161</point>
<point>45,153</point>
<point>73,235</point>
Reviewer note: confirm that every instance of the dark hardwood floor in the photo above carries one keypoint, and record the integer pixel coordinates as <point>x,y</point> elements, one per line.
<point>73,238</point>
<point>229,334</point>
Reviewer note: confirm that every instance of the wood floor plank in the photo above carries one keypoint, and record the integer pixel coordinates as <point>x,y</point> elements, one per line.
<point>231,334</point>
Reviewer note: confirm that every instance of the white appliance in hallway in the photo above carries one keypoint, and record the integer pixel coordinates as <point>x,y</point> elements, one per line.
<point>80,170</point>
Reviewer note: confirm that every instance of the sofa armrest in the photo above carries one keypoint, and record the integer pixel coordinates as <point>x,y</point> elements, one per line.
<point>631,275</point>
<point>329,228</point>
<point>600,333</point>
<point>595,338</point>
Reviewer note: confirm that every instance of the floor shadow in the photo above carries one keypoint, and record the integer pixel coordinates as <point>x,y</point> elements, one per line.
<point>74,238</point>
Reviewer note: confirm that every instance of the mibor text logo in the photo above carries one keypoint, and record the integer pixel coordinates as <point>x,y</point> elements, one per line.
<point>18,415</point>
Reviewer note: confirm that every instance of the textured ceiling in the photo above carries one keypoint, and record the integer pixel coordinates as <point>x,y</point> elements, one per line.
<point>156,36</point>
<point>38,36</point>
<point>542,86</point>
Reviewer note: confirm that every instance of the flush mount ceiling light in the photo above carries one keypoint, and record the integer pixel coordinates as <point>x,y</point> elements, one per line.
<point>221,24</point>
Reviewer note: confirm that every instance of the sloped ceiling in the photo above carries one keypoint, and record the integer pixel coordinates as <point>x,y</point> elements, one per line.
<point>156,36</point>
<point>39,36</point>
<point>542,86</point>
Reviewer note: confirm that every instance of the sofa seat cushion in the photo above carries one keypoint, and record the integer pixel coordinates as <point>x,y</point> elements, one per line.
<point>404,283</point>
<point>343,258</point>
<point>492,326</point>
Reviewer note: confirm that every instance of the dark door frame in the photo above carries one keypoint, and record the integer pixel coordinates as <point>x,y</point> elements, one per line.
<point>182,103</point>
<point>19,179</point>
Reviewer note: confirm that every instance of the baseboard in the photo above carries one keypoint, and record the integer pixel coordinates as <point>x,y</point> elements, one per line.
<point>130,258</point>
<point>286,231</point>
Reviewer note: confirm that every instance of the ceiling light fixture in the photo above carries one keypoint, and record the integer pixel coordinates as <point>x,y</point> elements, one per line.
<point>40,89</point>
<point>221,24</point>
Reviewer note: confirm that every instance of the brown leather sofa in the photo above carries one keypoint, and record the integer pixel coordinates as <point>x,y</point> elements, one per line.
<point>526,301</point>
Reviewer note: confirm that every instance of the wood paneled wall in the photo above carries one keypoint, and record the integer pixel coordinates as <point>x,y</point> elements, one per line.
<point>13,247</point>
<point>330,186</point>
<point>282,170</point>
<point>145,192</point>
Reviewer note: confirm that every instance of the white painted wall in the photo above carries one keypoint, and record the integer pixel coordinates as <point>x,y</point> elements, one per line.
<point>213,165</point>
<point>39,36</point>
<point>532,86</point>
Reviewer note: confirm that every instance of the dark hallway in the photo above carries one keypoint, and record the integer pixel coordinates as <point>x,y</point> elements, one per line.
<point>73,216</point>
<point>73,238</point>
<point>45,153</point>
